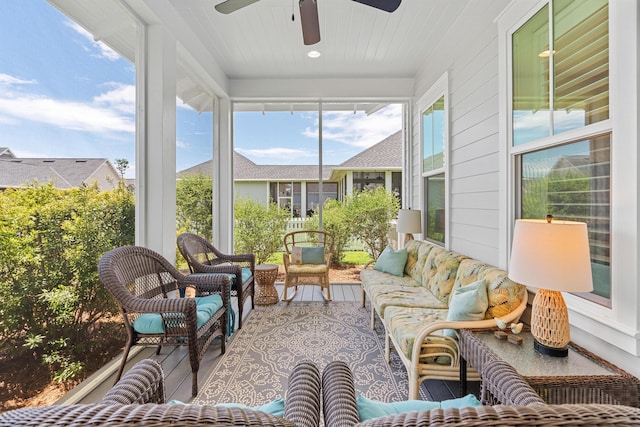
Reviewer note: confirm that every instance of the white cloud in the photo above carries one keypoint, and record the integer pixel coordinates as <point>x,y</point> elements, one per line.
<point>359,130</point>
<point>104,51</point>
<point>111,111</point>
<point>182,144</point>
<point>8,80</point>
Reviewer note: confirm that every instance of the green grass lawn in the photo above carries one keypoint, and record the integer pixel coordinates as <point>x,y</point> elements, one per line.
<point>350,258</point>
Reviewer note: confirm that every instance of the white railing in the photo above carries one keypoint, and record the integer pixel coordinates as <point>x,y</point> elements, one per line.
<point>353,244</point>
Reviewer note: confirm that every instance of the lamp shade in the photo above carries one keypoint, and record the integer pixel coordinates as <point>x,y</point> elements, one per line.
<point>551,255</point>
<point>409,221</point>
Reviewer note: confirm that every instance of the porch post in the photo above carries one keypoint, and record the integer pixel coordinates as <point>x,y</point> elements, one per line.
<point>223,177</point>
<point>156,143</point>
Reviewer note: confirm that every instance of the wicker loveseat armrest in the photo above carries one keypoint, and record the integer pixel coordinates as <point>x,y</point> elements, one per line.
<point>338,395</point>
<point>143,383</point>
<point>150,414</point>
<point>302,402</point>
<point>537,415</point>
<point>501,384</point>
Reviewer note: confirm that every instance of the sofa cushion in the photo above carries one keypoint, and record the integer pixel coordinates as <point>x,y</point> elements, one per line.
<point>391,261</point>
<point>307,268</point>
<point>371,279</point>
<point>503,294</point>
<point>468,303</point>
<point>386,296</point>
<point>439,274</point>
<point>405,322</point>
<point>417,252</point>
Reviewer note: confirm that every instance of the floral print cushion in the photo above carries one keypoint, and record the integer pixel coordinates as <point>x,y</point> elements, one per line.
<point>503,293</point>
<point>418,252</point>
<point>371,279</point>
<point>404,323</point>
<point>440,272</point>
<point>387,296</point>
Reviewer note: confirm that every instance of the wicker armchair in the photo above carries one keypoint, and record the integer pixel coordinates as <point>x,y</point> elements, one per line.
<point>297,270</point>
<point>340,409</point>
<point>203,257</point>
<point>138,399</point>
<point>144,283</point>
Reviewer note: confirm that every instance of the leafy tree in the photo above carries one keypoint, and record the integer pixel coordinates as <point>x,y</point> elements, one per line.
<point>258,229</point>
<point>194,207</point>
<point>369,214</point>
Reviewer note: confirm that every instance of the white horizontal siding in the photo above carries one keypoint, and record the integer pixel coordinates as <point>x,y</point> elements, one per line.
<point>473,139</point>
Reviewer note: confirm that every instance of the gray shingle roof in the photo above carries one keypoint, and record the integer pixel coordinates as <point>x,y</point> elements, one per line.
<point>16,174</point>
<point>246,170</point>
<point>63,172</point>
<point>386,154</point>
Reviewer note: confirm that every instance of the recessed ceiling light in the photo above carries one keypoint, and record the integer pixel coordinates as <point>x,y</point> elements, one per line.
<point>313,54</point>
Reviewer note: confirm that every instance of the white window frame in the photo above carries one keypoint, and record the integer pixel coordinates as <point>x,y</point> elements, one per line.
<point>439,89</point>
<point>600,326</point>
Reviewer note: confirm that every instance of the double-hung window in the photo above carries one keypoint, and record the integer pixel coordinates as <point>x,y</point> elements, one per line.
<point>561,134</point>
<point>434,151</point>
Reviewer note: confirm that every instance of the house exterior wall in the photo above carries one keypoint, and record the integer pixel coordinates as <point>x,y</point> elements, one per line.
<point>472,68</point>
<point>106,177</point>
<point>481,195</point>
<point>256,190</point>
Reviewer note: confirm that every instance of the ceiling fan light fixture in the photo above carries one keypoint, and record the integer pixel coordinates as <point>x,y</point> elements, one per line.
<point>313,54</point>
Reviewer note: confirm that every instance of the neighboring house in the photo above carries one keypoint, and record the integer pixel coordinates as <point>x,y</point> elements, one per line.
<point>297,186</point>
<point>61,172</point>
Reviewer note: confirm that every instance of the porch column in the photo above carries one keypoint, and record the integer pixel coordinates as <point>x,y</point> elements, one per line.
<point>156,142</point>
<point>223,177</point>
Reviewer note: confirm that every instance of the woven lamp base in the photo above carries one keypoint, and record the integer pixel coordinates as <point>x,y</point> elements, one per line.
<point>550,323</point>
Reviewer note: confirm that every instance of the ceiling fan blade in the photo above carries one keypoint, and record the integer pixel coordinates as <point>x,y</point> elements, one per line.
<point>386,5</point>
<point>233,5</point>
<point>309,20</point>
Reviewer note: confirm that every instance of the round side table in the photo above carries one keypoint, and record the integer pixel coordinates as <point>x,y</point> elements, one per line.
<point>266,292</point>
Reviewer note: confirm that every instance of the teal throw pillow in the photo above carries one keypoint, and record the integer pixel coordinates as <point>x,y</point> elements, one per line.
<point>461,402</point>
<point>391,261</point>
<point>369,409</point>
<point>275,407</point>
<point>313,255</point>
<point>468,303</point>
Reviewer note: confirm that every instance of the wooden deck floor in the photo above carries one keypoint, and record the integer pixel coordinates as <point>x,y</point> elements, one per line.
<point>175,361</point>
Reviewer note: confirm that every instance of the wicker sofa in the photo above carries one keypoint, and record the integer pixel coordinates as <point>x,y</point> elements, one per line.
<point>139,399</point>
<point>414,308</point>
<point>340,407</point>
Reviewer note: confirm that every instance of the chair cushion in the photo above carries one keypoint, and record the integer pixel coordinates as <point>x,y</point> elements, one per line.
<point>307,269</point>
<point>391,261</point>
<point>151,323</point>
<point>246,275</point>
<point>468,303</point>
<point>369,409</point>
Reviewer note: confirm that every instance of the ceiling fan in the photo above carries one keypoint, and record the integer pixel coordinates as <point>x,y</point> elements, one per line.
<point>308,13</point>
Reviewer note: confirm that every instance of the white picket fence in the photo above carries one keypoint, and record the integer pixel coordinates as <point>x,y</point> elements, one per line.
<point>353,244</point>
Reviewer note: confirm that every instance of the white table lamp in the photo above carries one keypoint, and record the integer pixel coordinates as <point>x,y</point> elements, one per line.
<point>409,222</point>
<point>552,256</point>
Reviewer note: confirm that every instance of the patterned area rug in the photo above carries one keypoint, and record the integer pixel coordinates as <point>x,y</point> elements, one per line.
<point>259,358</point>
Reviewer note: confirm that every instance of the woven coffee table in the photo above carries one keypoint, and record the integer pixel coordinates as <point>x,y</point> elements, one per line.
<point>266,292</point>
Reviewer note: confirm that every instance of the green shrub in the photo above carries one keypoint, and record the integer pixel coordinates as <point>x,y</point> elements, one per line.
<point>51,241</point>
<point>369,214</point>
<point>194,204</point>
<point>258,229</point>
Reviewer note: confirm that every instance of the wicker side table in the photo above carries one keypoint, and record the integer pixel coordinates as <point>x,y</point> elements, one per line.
<point>266,292</point>
<point>582,377</point>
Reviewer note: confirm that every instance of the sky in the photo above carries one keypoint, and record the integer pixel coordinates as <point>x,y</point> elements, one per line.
<point>62,94</point>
